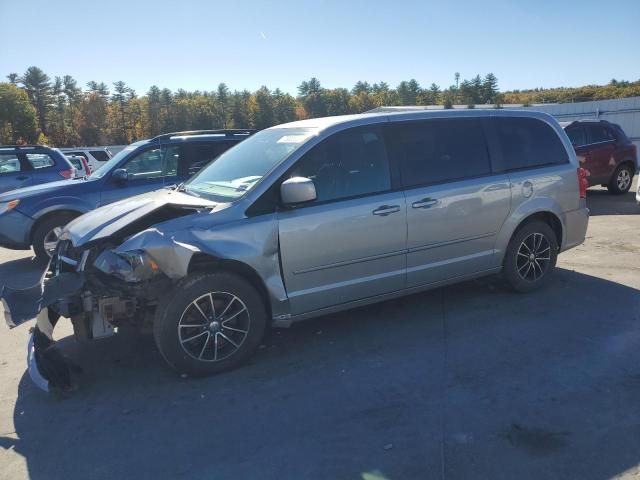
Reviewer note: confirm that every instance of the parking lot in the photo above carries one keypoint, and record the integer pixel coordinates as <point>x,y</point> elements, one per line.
<point>468,381</point>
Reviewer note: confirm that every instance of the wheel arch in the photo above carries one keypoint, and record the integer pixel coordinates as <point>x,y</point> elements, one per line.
<point>203,262</point>
<point>43,216</point>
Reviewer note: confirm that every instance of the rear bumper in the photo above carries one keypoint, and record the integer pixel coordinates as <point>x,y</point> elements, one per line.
<point>15,230</point>
<point>575,226</point>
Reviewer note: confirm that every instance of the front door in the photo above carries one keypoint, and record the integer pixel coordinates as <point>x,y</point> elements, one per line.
<point>455,207</point>
<point>350,243</point>
<point>148,170</point>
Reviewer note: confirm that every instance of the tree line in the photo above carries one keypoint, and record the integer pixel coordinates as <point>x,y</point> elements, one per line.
<point>58,112</point>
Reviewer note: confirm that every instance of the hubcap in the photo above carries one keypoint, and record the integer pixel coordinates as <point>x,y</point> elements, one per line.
<point>51,240</point>
<point>624,179</point>
<point>214,326</point>
<point>533,257</point>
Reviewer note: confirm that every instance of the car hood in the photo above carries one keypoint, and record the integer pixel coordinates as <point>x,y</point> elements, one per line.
<point>41,189</point>
<point>132,215</point>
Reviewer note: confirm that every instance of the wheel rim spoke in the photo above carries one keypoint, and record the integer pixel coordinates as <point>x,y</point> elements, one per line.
<point>533,256</point>
<point>204,347</point>
<point>224,335</point>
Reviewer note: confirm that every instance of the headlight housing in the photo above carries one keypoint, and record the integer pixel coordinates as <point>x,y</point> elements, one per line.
<point>10,205</point>
<point>134,266</point>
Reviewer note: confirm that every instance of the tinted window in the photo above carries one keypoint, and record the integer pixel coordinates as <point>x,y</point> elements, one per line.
<point>99,155</point>
<point>9,163</point>
<point>347,164</point>
<point>600,133</point>
<point>197,155</point>
<point>154,163</point>
<point>528,142</point>
<point>577,135</point>
<point>40,160</point>
<point>436,151</point>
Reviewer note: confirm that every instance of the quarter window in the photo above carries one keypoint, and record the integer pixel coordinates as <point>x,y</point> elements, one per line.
<point>528,142</point>
<point>347,164</point>
<point>436,151</point>
<point>9,164</point>
<point>40,160</point>
<point>200,154</point>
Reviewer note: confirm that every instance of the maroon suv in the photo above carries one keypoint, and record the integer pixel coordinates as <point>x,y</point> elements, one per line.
<point>605,151</point>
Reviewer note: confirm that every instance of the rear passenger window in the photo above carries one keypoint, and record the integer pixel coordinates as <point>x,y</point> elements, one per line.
<point>600,134</point>
<point>577,136</point>
<point>99,155</point>
<point>40,160</point>
<point>200,154</point>
<point>528,142</point>
<point>436,151</point>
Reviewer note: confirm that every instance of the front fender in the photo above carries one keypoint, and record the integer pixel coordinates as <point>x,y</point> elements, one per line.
<point>58,204</point>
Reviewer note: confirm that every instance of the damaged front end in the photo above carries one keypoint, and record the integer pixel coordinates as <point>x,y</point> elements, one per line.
<point>99,289</point>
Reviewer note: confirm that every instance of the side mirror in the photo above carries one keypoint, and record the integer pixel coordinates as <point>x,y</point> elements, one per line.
<point>297,190</point>
<point>120,175</point>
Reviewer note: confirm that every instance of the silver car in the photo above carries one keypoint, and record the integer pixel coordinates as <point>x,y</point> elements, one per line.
<point>309,218</point>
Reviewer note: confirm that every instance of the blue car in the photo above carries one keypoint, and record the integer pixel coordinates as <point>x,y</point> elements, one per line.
<point>22,166</point>
<point>34,216</point>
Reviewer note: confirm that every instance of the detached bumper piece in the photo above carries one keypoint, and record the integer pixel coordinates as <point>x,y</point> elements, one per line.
<point>48,368</point>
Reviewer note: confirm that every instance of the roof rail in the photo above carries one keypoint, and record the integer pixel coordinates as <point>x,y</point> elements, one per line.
<point>23,146</point>
<point>225,131</point>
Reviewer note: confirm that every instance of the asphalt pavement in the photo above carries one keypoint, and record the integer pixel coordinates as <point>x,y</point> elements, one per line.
<point>467,381</point>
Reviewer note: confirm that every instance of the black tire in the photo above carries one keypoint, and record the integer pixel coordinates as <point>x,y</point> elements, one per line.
<point>177,309</point>
<point>42,230</point>
<point>621,179</point>
<point>518,262</point>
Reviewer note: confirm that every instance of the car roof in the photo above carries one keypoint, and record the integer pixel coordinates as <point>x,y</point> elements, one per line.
<point>409,113</point>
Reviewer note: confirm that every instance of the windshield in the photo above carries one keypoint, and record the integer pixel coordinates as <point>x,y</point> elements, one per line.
<point>105,167</point>
<point>240,168</point>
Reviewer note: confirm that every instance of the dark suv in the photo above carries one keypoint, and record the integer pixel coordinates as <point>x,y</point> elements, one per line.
<point>34,216</point>
<point>605,151</point>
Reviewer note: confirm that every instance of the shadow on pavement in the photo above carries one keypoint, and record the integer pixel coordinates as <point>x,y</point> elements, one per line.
<point>500,385</point>
<point>601,202</point>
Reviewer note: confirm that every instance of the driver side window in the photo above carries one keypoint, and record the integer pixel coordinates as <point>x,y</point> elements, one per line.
<point>154,163</point>
<point>347,164</point>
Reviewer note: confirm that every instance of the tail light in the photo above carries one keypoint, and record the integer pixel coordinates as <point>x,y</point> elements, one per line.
<point>68,173</point>
<point>583,173</point>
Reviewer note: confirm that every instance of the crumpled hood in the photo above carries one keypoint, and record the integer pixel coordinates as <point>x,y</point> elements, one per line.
<point>110,219</point>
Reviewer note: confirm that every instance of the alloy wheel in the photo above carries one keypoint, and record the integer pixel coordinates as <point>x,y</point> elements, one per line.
<point>214,326</point>
<point>534,256</point>
<point>624,179</point>
<point>51,240</point>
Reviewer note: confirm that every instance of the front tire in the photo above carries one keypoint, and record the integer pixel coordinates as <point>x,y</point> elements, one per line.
<point>212,323</point>
<point>46,234</point>
<point>531,257</point>
<point>621,179</point>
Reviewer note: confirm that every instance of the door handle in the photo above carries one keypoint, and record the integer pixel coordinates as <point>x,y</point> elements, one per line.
<point>385,210</point>
<point>425,203</point>
<point>22,177</point>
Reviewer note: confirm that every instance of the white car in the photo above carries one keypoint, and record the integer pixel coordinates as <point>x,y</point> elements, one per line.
<point>95,156</point>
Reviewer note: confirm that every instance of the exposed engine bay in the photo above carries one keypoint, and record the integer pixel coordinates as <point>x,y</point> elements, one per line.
<point>99,287</point>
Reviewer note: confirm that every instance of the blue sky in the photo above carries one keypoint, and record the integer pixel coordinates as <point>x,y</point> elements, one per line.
<point>198,44</point>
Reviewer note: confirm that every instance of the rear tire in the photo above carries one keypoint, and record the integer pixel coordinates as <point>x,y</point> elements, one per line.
<point>198,340</point>
<point>531,257</point>
<point>44,232</point>
<point>621,179</point>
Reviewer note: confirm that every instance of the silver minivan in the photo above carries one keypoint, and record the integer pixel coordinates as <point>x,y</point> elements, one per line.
<point>314,217</point>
